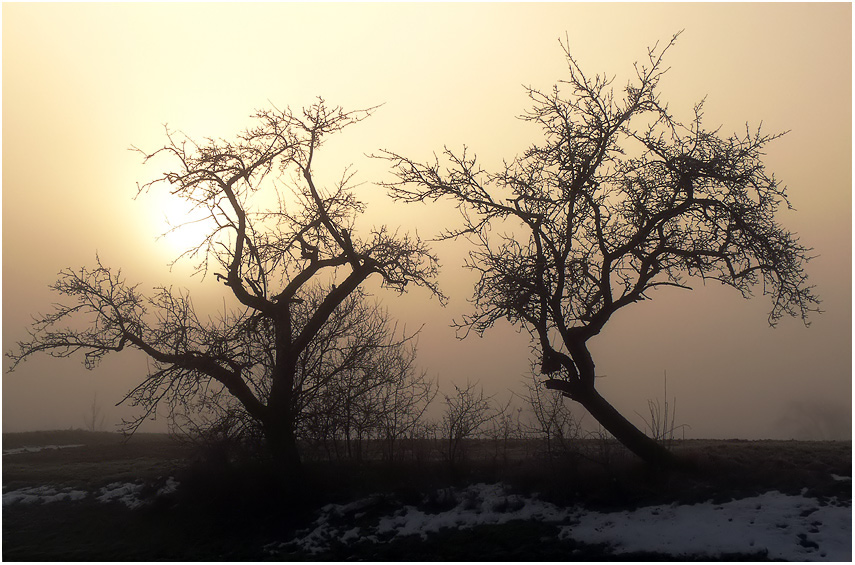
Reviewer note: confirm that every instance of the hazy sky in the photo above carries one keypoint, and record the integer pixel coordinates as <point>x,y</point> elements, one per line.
<point>81,83</point>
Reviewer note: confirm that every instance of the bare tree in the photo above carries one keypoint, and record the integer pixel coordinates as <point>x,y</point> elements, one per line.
<point>94,419</point>
<point>274,238</point>
<point>505,429</point>
<point>553,419</point>
<point>620,199</point>
<point>356,381</point>
<point>360,381</point>
<point>467,413</point>
<point>401,404</point>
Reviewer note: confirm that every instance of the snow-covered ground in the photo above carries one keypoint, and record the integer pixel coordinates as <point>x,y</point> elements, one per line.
<point>793,528</point>
<point>34,449</point>
<point>43,495</point>
<point>128,494</point>
<point>788,527</point>
<point>785,526</point>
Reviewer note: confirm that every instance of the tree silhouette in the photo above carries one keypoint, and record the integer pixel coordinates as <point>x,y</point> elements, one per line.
<point>94,419</point>
<point>619,199</point>
<point>285,249</point>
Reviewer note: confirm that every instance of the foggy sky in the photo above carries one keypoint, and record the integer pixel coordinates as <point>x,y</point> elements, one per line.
<point>82,83</point>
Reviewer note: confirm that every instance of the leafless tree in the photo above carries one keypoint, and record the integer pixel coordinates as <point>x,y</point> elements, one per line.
<point>356,381</point>
<point>401,404</point>
<point>506,428</point>
<point>94,419</point>
<point>467,412</point>
<point>275,238</point>
<point>360,381</point>
<point>554,422</point>
<point>619,200</point>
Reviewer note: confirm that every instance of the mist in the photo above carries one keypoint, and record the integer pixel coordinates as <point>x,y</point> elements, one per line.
<point>82,83</point>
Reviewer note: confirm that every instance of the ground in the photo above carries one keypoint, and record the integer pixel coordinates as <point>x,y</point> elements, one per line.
<point>75,495</point>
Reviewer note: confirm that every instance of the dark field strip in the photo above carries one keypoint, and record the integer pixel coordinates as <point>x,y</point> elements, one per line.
<point>223,511</point>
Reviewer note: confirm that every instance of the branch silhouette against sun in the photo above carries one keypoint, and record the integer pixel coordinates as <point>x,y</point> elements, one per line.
<point>618,200</point>
<point>292,259</point>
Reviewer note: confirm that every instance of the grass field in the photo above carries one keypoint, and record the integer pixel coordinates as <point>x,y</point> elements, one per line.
<point>155,498</point>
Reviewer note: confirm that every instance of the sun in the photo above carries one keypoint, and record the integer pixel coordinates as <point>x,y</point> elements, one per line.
<point>184,233</point>
<point>175,226</point>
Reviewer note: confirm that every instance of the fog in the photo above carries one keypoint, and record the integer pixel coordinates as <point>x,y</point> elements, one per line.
<point>82,83</point>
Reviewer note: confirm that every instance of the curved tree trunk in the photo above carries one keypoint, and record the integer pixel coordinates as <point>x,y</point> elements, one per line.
<point>614,422</point>
<point>624,431</point>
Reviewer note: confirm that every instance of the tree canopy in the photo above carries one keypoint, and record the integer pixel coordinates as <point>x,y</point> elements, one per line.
<point>618,200</point>
<point>287,250</point>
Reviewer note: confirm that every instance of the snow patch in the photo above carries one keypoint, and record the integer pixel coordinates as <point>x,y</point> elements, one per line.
<point>35,449</point>
<point>782,526</point>
<point>128,494</point>
<point>169,487</point>
<point>475,505</point>
<point>793,528</point>
<point>43,494</point>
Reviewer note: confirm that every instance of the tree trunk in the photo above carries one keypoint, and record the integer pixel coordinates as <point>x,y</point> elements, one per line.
<point>282,443</point>
<point>279,424</point>
<point>624,431</point>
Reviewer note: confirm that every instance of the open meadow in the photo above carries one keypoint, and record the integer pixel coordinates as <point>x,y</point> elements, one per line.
<point>73,495</point>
